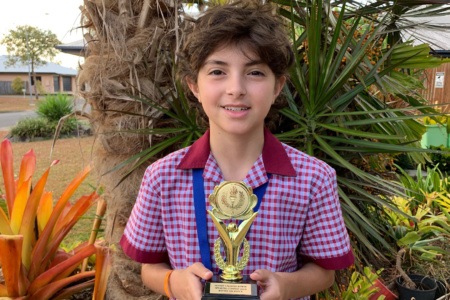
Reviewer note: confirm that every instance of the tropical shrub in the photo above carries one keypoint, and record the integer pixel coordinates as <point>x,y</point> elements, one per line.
<point>360,286</point>
<point>55,107</point>
<point>41,127</point>
<point>443,201</point>
<point>40,88</point>
<point>443,120</point>
<point>17,85</point>
<point>422,188</point>
<point>419,228</point>
<point>31,230</point>
<point>32,127</point>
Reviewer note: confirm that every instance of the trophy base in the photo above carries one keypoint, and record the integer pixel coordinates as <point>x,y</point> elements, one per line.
<point>217,289</point>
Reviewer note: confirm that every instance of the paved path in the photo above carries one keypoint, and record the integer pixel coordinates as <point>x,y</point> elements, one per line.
<point>9,119</point>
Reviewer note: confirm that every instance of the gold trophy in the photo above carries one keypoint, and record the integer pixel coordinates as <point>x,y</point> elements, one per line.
<point>232,200</point>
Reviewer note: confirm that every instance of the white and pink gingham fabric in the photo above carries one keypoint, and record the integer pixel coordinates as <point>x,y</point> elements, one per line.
<point>299,220</point>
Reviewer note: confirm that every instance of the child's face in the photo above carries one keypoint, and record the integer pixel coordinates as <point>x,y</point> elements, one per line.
<point>236,90</point>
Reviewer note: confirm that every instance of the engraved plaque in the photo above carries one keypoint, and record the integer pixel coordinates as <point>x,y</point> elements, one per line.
<point>230,289</point>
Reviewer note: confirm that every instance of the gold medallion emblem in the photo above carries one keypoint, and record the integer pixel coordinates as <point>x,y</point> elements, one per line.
<point>233,200</point>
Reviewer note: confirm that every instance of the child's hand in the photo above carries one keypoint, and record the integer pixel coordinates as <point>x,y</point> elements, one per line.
<point>270,284</point>
<point>185,283</point>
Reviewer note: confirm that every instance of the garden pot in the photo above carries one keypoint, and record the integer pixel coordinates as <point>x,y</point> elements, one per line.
<point>383,291</point>
<point>429,288</point>
<point>441,289</point>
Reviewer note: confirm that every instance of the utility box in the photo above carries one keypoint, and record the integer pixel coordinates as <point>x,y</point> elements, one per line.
<point>436,135</point>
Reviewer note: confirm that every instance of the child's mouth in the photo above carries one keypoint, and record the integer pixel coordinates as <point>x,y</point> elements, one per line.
<point>236,108</point>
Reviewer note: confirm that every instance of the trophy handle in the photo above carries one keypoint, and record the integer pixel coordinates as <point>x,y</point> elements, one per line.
<point>221,228</point>
<point>244,228</point>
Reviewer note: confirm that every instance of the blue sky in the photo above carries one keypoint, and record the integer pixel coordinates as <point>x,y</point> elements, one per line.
<point>59,16</point>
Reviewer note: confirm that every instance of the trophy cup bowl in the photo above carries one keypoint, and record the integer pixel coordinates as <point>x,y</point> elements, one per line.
<point>232,200</point>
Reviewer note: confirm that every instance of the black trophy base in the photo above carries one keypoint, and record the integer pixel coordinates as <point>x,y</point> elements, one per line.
<point>217,289</point>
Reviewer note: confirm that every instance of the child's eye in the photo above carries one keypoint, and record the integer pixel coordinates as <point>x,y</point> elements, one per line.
<point>256,73</point>
<point>216,72</point>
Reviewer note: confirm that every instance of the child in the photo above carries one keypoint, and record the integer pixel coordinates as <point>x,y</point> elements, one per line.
<point>235,62</point>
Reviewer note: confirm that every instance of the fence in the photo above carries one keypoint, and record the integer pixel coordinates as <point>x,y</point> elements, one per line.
<point>437,84</point>
<point>6,89</point>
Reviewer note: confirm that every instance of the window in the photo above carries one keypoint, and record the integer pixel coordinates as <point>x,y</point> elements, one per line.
<point>38,78</point>
<point>67,83</point>
<point>56,86</point>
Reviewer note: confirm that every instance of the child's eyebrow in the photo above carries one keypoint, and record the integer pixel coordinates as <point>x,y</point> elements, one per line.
<point>222,63</point>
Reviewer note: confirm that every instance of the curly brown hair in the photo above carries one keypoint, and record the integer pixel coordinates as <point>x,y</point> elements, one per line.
<point>245,24</point>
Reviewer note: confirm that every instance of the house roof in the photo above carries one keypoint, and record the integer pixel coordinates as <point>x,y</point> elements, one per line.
<point>49,68</point>
<point>76,48</point>
<point>429,31</point>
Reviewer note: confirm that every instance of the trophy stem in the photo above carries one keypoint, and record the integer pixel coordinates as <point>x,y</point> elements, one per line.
<point>231,274</point>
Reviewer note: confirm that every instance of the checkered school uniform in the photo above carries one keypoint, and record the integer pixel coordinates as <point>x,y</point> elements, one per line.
<point>299,219</point>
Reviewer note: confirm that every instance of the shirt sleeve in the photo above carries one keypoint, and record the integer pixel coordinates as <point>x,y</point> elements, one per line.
<point>325,239</point>
<point>143,237</point>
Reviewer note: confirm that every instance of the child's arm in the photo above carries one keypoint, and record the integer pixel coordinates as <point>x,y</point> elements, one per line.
<point>183,283</point>
<point>310,279</point>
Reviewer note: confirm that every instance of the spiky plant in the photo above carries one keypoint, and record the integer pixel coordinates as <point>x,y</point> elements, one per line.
<point>31,230</point>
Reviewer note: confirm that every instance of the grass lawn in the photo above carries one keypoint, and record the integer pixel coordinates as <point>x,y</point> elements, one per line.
<point>73,154</point>
<point>16,103</point>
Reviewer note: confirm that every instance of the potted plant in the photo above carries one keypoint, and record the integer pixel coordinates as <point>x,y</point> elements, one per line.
<point>418,229</point>
<point>413,286</point>
<point>442,292</point>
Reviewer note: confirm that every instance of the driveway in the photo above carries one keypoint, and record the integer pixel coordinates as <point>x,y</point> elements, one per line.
<point>9,119</point>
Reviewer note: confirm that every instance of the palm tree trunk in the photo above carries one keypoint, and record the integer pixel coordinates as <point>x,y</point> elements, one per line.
<point>124,40</point>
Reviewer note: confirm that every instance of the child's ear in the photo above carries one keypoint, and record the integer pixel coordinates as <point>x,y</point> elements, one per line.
<point>193,86</point>
<point>279,83</point>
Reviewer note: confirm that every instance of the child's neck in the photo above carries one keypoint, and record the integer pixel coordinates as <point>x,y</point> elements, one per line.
<point>236,155</point>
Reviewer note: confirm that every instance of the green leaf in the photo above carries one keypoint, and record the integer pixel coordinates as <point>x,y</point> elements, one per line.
<point>409,239</point>
<point>448,125</point>
<point>360,133</point>
<point>378,145</point>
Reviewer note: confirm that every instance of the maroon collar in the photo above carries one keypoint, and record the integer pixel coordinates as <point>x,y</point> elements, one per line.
<point>275,158</point>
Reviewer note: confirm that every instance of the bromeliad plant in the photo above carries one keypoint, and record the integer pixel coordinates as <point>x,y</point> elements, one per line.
<point>422,189</point>
<point>420,232</point>
<point>31,230</point>
<point>361,285</point>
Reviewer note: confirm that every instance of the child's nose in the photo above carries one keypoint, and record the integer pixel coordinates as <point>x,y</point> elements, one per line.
<point>236,86</point>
